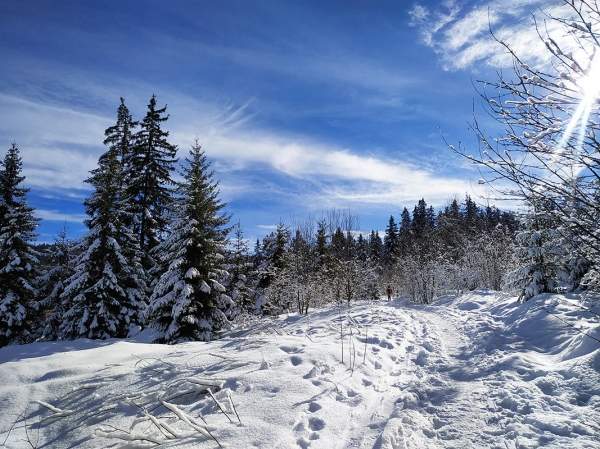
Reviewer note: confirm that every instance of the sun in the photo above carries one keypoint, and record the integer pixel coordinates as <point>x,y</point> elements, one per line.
<point>590,82</point>
<point>589,86</point>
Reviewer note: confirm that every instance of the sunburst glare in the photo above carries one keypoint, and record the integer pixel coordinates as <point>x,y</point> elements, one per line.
<point>589,85</point>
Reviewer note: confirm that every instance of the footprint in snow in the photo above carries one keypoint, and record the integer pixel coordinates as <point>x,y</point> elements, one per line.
<point>295,360</point>
<point>351,397</point>
<point>291,349</point>
<point>303,443</point>
<point>314,407</point>
<point>314,372</point>
<point>308,430</point>
<point>422,357</point>
<point>272,392</point>
<point>428,346</point>
<point>316,424</point>
<point>385,344</point>
<point>351,393</point>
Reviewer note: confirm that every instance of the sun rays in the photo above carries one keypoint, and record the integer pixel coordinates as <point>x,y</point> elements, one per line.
<point>589,85</point>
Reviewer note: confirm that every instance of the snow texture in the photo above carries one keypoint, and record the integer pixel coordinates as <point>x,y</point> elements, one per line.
<point>481,370</point>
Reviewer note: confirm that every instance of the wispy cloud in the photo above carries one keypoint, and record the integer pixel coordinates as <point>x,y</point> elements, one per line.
<point>60,146</point>
<point>461,36</point>
<point>55,215</point>
<point>267,227</point>
<point>326,167</point>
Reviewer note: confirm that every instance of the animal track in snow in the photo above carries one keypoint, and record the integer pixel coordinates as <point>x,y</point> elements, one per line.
<point>316,424</point>
<point>303,442</point>
<point>422,357</point>
<point>291,349</point>
<point>295,360</point>
<point>314,407</point>
<point>314,372</point>
<point>308,429</point>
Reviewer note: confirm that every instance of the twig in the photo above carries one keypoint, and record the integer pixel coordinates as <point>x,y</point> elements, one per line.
<point>233,407</point>
<point>219,405</point>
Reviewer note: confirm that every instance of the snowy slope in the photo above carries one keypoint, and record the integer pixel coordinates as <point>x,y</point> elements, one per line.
<point>474,371</point>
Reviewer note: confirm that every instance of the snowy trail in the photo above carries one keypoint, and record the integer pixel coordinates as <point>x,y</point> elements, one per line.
<point>452,375</point>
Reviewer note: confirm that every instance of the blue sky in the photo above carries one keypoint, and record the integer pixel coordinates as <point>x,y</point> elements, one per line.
<point>302,106</point>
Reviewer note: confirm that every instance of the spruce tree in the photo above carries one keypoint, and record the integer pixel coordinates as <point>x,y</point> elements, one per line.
<point>338,244</point>
<point>52,285</point>
<point>419,219</point>
<point>404,234</point>
<point>272,254</point>
<point>430,218</point>
<point>470,214</point>
<point>239,268</point>
<point>103,297</point>
<point>390,242</point>
<point>189,302</point>
<point>257,257</point>
<point>149,182</point>
<point>321,243</point>
<point>375,247</point>
<point>362,248</point>
<point>119,138</point>
<point>276,251</point>
<point>537,252</point>
<point>18,260</point>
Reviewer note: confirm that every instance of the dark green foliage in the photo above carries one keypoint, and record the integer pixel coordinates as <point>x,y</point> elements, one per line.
<point>391,244</point>
<point>240,270</point>
<point>375,247</point>
<point>104,296</point>
<point>18,260</point>
<point>189,302</point>
<point>58,269</point>
<point>321,243</point>
<point>119,138</point>
<point>149,182</point>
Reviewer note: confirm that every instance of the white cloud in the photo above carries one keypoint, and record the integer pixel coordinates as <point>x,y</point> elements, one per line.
<point>373,179</point>
<point>39,122</point>
<point>55,215</point>
<point>267,227</point>
<point>461,36</point>
<point>60,146</point>
<point>418,14</point>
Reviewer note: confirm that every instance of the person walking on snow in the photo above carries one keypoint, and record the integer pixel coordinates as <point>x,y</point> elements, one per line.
<point>389,292</point>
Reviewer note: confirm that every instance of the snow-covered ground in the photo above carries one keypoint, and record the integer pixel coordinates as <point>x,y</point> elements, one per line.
<point>475,371</point>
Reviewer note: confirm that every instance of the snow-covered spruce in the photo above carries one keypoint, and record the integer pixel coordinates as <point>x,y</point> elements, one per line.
<point>149,184</point>
<point>103,297</point>
<point>119,139</point>
<point>269,261</point>
<point>537,255</point>
<point>240,269</point>
<point>189,302</point>
<point>17,258</point>
<point>52,284</point>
